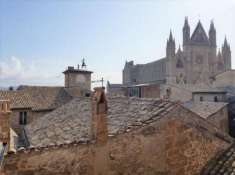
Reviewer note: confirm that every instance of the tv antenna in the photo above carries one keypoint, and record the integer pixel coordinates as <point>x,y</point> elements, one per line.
<point>83,64</point>
<point>98,81</point>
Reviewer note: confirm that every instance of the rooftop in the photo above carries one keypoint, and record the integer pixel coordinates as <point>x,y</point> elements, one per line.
<point>205,109</point>
<point>18,100</point>
<point>71,69</point>
<point>71,122</point>
<point>36,97</point>
<point>223,163</point>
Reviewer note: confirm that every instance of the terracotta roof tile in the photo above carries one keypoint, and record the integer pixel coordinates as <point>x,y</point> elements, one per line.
<point>36,97</point>
<point>17,99</point>
<point>44,97</point>
<point>223,163</point>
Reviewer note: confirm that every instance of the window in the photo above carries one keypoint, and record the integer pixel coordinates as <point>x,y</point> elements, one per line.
<point>201,98</point>
<point>215,99</point>
<point>134,92</point>
<point>23,118</point>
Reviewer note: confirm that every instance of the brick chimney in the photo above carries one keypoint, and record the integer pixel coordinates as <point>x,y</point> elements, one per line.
<point>99,129</point>
<point>5,122</point>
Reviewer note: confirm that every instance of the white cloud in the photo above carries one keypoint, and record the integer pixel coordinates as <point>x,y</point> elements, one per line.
<point>14,71</point>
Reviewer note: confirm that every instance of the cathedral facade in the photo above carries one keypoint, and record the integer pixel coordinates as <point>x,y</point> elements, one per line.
<point>197,62</point>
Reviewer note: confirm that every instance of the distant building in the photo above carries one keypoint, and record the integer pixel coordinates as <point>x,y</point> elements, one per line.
<point>209,95</point>
<point>140,90</point>
<point>115,89</point>
<point>196,63</point>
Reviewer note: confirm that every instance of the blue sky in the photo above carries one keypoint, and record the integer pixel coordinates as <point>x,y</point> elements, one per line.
<point>40,38</point>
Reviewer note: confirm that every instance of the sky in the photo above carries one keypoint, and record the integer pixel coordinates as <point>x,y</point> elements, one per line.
<point>40,38</point>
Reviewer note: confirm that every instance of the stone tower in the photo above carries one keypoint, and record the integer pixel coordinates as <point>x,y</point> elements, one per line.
<point>212,35</point>
<point>186,32</point>
<point>226,54</point>
<point>5,122</point>
<point>170,47</point>
<point>212,54</point>
<point>199,53</point>
<point>77,81</point>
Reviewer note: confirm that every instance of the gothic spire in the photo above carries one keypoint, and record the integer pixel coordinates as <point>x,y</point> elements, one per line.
<point>186,22</point>
<point>186,32</point>
<point>212,26</point>
<point>170,48</point>
<point>212,35</point>
<point>226,42</point>
<point>171,37</point>
<point>226,54</point>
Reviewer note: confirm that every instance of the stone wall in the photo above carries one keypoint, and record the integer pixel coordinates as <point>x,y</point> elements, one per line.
<point>178,144</point>
<point>209,97</point>
<point>150,91</point>
<point>154,72</point>
<point>82,80</point>
<point>177,92</point>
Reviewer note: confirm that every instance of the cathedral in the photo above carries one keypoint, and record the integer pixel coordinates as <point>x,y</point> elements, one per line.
<point>197,62</point>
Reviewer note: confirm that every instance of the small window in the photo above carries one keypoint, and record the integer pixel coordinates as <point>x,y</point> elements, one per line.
<point>87,94</point>
<point>23,118</point>
<point>201,98</point>
<point>216,99</point>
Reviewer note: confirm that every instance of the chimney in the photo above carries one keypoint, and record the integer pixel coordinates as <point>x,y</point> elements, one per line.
<point>99,129</point>
<point>5,122</point>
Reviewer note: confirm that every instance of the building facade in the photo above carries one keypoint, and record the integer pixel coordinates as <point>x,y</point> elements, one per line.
<point>197,62</point>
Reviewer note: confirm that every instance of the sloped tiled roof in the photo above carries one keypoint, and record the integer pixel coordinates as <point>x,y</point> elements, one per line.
<point>45,97</point>
<point>71,122</point>
<point>222,164</point>
<point>205,109</point>
<point>18,100</point>
<point>36,97</point>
